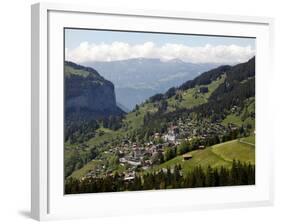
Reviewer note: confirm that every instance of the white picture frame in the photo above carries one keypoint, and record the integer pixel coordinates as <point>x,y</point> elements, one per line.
<point>48,201</point>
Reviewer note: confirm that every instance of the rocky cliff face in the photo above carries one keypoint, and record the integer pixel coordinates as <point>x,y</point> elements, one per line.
<point>87,94</point>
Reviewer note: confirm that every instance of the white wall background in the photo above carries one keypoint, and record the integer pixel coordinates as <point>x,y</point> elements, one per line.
<point>15,110</point>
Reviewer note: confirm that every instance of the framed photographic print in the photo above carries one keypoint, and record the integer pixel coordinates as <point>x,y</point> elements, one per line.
<point>148,111</point>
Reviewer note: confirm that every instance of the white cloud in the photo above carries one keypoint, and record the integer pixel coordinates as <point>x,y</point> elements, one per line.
<point>228,54</point>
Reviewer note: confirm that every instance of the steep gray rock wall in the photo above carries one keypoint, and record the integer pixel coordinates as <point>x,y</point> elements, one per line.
<point>88,94</point>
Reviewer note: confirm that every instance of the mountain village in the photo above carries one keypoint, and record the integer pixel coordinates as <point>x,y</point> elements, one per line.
<point>136,157</point>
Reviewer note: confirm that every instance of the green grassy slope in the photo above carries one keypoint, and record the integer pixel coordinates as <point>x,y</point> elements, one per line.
<point>243,117</point>
<point>235,150</point>
<point>90,166</point>
<point>215,156</point>
<point>132,121</point>
<point>70,70</point>
<point>85,169</point>
<point>191,97</point>
<point>250,140</point>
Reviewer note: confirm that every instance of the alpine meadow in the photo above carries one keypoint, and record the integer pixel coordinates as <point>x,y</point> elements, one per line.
<point>149,111</point>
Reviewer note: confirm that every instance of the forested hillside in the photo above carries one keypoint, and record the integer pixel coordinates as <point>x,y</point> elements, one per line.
<point>88,98</point>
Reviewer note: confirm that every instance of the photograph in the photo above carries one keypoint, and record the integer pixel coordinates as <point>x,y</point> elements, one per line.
<point>157,111</point>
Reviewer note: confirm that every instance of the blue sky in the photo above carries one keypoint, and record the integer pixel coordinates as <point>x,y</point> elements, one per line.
<point>73,37</point>
<point>90,45</point>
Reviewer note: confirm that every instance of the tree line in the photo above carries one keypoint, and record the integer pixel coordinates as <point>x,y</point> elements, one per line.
<point>171,178</point>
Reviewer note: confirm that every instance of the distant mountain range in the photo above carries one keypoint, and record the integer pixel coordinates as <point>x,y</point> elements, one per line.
<point>135,80</point>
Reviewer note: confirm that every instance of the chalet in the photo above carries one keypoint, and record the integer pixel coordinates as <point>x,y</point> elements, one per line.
<point>134,162</point>
<point>187,156</point>
<point>129,176</point>
<point>147,162</point>
<point>203,90</point>
<point>147,153</point>
<point>201,147</point>
<point>234,109</point>
<point>156,135</point>
<point>153,149</point>
<point>145,167</point>
<point>136,153</point>
<point>159,146</point>
<point>121,153</point>
<point>122,160</point>
<point>170,137</point>
<point>232,127</point>
<point>149,145</point>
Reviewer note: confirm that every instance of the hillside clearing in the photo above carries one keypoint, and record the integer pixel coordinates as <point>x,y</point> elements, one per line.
<point>192,97</point>
<point>218,155</point>
<point>85,169</point>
